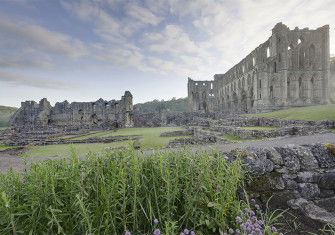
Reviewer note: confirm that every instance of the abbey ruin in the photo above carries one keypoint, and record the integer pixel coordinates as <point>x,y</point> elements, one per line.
<point>292,68</point>
<point>98,114</point>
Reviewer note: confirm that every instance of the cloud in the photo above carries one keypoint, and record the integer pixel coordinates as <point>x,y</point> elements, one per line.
<point>20,35</point>
<point>25,80</point>
<point>142,14</point>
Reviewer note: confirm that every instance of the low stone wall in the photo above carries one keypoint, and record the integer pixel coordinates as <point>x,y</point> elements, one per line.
<point>182,141</point>
<point>271,133</point>
<point>178,133</point>
<point>301,178</point>
<point>48,141</point>
<point>263,121</point>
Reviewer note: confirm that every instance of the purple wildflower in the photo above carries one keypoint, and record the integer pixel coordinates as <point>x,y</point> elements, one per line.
<point>273,228</point>
<point>237,231</point>
<point>157,232</point>
<point>192,233</point>
<point>238,219</point>
<point>253,200</point>
<point>181,233</point>
<point>251,212</point>
<point>231,231</point>
<point>257,207</point>
<point>240,212</point>
<point>243,227</point>
<point>186,231</point>
<point>127,233</point>
<point>156,221</point>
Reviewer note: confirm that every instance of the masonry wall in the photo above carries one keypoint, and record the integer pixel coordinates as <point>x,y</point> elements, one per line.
<point>100,114</point>
<point>290,69</point>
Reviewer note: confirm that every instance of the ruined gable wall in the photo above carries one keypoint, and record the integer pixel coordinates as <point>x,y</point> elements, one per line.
<point>201,96</point>
<point>77,114</point>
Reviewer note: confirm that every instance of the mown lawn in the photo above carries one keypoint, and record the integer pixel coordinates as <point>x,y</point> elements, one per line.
<point>149,138</point>
<point>66,149</point>
<point>319,112</point>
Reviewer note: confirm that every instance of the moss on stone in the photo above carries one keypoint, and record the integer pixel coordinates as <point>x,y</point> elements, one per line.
<point>331,148</point>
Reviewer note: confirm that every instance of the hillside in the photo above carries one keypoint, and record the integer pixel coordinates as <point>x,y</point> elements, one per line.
<point>173,105</point>
<point>319,112</point>
<point>5,113</point>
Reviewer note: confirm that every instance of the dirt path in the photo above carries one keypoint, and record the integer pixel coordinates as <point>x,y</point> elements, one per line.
<point>8,161</point>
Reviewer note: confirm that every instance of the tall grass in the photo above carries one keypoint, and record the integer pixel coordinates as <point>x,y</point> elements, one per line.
<point>122,191</point>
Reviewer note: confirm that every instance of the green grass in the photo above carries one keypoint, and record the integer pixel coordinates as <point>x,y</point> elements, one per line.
<point>65,149</point>
<point>259,127</point>
<point>320,112</point>
<point>3,128</point>
<point>235,138</point>
<point>5,114</point>
<point>149,138</point>
<point>123,191</point>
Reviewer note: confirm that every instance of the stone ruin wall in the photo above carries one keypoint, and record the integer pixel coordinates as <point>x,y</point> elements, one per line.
<point>292,68</point>
<point>98,114</point>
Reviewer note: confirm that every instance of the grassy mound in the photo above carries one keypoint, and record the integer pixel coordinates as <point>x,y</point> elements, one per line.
<point>319,112</point>
<point>122,191</point>
<point>5,113</point>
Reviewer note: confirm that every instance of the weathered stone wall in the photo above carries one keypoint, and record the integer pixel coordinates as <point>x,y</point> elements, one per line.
<point>298,177</point>
<point>99,114</point>
<point>290,69</point>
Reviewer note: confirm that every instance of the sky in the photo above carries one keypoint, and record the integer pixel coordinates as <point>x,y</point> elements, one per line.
<point>83,50</point>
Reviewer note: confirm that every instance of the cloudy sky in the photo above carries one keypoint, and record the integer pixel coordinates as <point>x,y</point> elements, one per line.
<point>81,50</point>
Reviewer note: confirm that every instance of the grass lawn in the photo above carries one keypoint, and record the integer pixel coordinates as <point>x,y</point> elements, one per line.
<point>149,138</point>
<point>3,128</point>
<point>259,127</point>
<point>65,149</point>
<point>319,112</point>
<point>235,138</point>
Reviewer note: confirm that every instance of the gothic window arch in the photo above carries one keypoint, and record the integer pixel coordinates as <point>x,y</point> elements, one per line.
<point>302,57</point>
<point>301,88</point>
<point>312,56</point>
<point>267,52</point>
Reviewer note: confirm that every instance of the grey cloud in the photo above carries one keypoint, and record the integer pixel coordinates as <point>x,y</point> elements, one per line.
<point>25,80</point>
<point>22,36</point>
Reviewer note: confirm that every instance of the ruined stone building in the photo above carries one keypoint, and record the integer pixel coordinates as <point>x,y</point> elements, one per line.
<point>98,114</point>
<point>291,68</point>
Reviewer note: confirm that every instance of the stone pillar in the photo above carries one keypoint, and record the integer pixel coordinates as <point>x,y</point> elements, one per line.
<point>326,64</point>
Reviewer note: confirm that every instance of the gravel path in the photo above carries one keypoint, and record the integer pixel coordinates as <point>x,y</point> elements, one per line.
<point>8,161</point>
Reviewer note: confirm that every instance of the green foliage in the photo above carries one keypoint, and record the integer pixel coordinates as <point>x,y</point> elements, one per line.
<point>122,191</point>
<point>173,105</point>
<point>319,112</point>
<point>5,113</point>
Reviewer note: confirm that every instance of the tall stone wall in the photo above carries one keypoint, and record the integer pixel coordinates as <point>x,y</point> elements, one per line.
<point>291,68</point>
<point>99,114</point>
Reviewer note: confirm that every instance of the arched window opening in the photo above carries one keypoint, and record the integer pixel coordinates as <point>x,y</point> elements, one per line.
<point>288,90</point>
<point>211,85</point>
<point>196,84</point>
<point>275,67</point>
<point>299,41</point>
<point>289,47</point>
<point>312,56</point>
<point>253,61</point>
<point>302,56</point>
<point>267,52</point>
<point>271,92</point>
<point>204,84</point>
<point>243,68</point>
<point>260,84</point>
